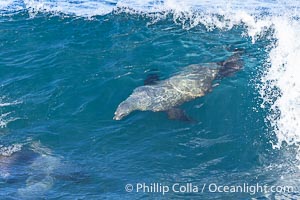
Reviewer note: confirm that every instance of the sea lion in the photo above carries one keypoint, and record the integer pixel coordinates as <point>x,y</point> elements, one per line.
<point>166,95</point>
<point>35,169</point>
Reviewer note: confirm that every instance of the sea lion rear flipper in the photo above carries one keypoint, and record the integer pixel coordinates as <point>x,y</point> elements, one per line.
<point>151,79</point>
<point>178,114</point>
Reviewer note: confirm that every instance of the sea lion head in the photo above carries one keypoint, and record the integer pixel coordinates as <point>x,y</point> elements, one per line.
<point>138,100</point>
<point>124,109</point>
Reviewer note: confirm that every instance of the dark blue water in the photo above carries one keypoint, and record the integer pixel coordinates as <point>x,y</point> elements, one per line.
<point>62,78</point>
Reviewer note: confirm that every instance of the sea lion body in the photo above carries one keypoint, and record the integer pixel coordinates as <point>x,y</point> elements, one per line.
<point>194,81</point>
<point>166,95</point>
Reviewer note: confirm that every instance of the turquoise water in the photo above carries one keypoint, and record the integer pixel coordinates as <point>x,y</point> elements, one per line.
<point>62,77</point>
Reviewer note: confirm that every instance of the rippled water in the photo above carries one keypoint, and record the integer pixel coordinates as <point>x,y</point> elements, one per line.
<point>66,65</point>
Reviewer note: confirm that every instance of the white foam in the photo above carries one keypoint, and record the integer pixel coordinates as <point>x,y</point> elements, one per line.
<point>5,117</point>
<point>10,6</point>
<point>9,150</point>
<point>5,4</point>
<point>283,75</point>
<point>77,8</point>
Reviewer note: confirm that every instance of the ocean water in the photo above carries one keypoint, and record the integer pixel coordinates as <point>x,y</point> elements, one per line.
<point>66,65</point>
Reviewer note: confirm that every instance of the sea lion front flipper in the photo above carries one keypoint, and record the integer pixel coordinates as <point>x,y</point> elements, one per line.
<point>178,114</point>
<point>151,79</point>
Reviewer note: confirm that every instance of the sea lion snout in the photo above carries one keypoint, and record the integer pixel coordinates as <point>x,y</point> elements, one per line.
<point>117,116</point>
<point>122,111</point>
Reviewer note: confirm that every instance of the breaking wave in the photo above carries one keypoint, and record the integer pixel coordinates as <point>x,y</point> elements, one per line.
<point>279,85</point>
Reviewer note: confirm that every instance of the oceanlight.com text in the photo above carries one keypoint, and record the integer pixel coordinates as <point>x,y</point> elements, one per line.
<point>251,189</point>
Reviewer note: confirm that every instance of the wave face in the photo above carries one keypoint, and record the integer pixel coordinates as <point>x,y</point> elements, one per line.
<point>279,87</point>
<point>59,78</point>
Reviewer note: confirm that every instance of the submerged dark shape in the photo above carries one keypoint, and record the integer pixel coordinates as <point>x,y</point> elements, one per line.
<point>12,165</point>
<point>151,79</point>
<point>178,114</point>
<point>37,169</point>
<point>166,95</point>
